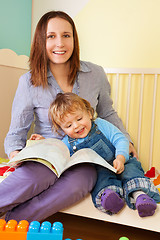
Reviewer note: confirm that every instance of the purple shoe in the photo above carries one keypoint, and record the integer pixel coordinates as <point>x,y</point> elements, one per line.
<point>145,205</point>
<point>111,201</point>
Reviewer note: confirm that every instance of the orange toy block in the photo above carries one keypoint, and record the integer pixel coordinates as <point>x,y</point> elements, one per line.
<point>157,181</point>
<point>13,230</point>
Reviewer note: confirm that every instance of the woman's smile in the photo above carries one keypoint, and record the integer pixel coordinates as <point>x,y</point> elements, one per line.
<point>59,41</point>
<point>59,53</point>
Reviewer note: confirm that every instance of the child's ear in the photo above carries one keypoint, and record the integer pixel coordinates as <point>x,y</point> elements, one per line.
<point>90,115</point>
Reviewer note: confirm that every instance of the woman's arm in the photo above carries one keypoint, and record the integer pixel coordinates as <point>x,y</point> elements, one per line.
<point>21,119</point>
<point>106,111</point>
<point>13,154</point>
<point>105,108</point>
<point>94,87</point>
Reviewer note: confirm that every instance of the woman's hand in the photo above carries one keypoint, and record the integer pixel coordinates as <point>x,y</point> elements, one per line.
<point>36,137</point>
<point>118,163</point>
<point>15,164</point>
<point>132,150</point>
<point>13,154</point>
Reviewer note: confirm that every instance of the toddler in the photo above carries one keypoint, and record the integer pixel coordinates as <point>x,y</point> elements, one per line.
<point>74,116</point>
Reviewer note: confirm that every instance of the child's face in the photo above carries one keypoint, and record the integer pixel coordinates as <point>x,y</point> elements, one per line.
<point>77,125</point>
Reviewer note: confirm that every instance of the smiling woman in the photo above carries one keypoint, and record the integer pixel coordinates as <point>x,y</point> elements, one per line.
<point>59,44</point>
<point>59,47</point>
<point>33,192</point>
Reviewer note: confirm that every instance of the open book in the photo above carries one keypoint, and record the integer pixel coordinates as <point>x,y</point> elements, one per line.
<point>55,154</point>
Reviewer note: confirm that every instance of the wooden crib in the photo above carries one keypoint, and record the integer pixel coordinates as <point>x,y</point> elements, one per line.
<point>136,97</point>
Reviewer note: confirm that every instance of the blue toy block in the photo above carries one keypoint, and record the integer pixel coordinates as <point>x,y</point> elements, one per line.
<point>45,231</point>
<point>71,239</point>
<point>34,231</point>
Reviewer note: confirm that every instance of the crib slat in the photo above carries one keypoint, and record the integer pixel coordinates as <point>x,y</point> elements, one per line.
<point>128,100</point>
<point>153,120</point>
<point>140,113</point>
<point>116,92</point>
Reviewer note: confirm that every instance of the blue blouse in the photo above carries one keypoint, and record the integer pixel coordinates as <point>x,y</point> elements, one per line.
<point>32,103</point>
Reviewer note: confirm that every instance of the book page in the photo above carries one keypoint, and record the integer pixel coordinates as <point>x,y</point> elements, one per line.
<point>51,150</point>
<point>87,155</point>
<point>44,162</point>
<point>54,154</point>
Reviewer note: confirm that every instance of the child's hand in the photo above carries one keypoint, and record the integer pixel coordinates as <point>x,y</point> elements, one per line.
<point>118,163</point>
<point>36,137</point>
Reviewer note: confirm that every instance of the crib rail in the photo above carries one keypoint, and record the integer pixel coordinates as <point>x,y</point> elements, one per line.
<point>136,98</point>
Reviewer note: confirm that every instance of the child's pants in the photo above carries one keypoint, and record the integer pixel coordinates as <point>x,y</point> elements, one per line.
<point>130,180</point>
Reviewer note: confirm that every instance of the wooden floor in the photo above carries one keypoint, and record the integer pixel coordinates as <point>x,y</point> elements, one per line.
<point>89,229</point>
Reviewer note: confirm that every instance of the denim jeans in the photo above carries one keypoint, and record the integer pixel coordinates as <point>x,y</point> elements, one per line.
<point>130,180</point>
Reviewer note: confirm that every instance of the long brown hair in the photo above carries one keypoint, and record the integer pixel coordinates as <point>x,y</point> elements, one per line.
<point>38,57</point>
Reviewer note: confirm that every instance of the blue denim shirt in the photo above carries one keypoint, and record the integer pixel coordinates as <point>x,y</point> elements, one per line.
<point>32,103</point>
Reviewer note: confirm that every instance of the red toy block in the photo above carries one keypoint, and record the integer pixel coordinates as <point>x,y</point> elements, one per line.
<point>13,230</point>
<point>5,169</point>
<point>151,173</point>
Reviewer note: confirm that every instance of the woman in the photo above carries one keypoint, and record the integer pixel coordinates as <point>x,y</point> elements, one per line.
<point>32,191</point>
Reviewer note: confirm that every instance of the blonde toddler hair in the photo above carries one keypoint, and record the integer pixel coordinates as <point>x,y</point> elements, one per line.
<point>66,103</point>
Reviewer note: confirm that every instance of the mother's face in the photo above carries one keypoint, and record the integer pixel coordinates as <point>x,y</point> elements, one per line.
<point>59,41</point>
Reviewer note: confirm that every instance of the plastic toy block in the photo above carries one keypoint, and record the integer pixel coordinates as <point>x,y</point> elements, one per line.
<point>13,230</point>
<point>2,160</point>
<point>45,231</point>
<point>151,173</point>
<point>157,181</point>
